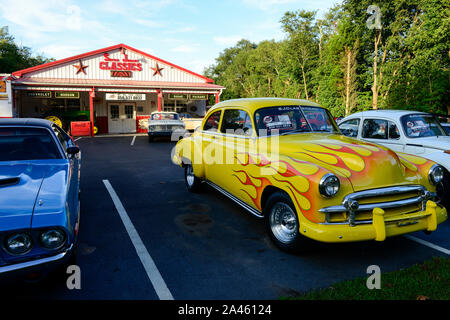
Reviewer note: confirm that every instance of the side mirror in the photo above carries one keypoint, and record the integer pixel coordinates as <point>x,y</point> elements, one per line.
<point>73,150</point>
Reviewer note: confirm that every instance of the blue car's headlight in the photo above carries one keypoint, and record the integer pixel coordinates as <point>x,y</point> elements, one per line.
<point>52,239</point>
<point>18,244</point>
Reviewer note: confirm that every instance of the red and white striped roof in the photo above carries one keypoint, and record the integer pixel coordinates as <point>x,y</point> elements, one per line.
<point>63,72</point>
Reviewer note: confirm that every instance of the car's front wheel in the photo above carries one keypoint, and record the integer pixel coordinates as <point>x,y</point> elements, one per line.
<point>282,224</point>
<point>193,184</point>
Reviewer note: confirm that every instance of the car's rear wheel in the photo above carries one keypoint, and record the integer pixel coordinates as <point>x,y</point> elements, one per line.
<point>193,184</point>
<point>282,224</point>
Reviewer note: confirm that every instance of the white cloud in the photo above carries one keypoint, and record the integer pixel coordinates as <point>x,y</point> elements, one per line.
<point>185,49</point>
<point>268,4</point>
<point>148,23</point>
<point>61,51</point>
<point>39,21</point>
<point>227,40</point>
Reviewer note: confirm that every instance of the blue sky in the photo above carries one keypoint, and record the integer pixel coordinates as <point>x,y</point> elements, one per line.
<point>189,33</point>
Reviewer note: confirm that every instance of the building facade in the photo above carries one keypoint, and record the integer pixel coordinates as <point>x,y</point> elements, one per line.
<point>116,88</point>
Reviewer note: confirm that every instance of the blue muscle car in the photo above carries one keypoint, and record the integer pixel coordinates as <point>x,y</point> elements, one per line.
<point>39,196</point>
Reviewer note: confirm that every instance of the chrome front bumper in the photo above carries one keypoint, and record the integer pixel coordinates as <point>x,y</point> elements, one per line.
<point>38,262</point>
<point>351,206</point>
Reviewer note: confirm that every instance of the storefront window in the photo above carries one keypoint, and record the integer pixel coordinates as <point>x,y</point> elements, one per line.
<point>114,111</point>
<point>129,111</point>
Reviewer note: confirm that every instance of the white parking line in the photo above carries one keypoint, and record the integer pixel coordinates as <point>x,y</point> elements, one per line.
<point>77,139</point>
<point>428,244</point>
<point>149,265</point>
<point>132,141</point>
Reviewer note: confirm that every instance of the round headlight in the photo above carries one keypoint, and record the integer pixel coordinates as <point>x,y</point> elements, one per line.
<point>19,243</point>
<point>52,239</point>
<point>436,174</point>
<point>329,185</point>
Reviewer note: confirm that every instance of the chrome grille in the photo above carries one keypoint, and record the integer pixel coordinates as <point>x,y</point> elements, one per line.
<point>356,208</point>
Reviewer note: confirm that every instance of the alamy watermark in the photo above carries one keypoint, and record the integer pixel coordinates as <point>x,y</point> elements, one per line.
<point>374,280</point>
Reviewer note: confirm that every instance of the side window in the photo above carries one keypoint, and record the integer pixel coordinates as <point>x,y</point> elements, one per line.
<point>236,122</point>
<point>62,136</point>
<point>394,133</point>
<point>212,123</point>
<point>350,127</point>
<point>375,129</point>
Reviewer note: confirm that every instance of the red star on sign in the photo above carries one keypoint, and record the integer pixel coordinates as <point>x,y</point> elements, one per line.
<point>157,70</point>
<point>80,67</point>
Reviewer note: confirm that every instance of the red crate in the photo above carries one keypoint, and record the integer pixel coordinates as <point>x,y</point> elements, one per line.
<point>80,128</point>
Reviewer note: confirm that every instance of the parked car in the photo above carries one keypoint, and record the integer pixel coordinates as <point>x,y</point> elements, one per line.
<point>190,122</point>
<point>165,124</point>
<point>416,133</point>
<point>308,181</point>
<point>39,197</point>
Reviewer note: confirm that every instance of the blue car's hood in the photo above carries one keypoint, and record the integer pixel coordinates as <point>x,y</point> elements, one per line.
<point>20,185</point>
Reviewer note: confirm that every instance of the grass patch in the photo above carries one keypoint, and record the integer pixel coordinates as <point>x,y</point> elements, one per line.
<point>428,280</point>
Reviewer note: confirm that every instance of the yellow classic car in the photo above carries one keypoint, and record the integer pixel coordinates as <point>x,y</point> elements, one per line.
<point>286,161</point>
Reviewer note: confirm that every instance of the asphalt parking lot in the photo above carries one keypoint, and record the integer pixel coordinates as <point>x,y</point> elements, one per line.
<point>194,246</point>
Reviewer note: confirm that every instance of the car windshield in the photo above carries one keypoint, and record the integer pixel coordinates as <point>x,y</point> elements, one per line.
<point>444,121</point>
<point>18,143</point>
<point>421,125</point>
<point>292,119</point>
<point>165,116</point>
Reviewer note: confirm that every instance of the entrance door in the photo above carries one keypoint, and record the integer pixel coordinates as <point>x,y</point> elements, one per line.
<point>122,117</point>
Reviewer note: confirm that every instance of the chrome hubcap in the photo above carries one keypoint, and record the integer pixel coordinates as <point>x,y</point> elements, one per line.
<point>189,175</point>
<point>283,222</point>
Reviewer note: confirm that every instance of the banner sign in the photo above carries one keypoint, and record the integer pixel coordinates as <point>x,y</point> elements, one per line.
<point>199,96</point>
<point>39,94</point>
<point>178,96</point>
<point>67,95</point>
<point>125,96</point>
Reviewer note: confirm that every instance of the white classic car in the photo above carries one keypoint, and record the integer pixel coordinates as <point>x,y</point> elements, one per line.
<point>416,133</point>
<point>165,124</point>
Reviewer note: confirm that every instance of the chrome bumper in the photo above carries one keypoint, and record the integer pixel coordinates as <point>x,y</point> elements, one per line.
<point>351,205</point>
<point>37,262</point>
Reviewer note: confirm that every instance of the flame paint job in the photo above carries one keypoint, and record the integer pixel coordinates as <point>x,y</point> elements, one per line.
<point>303,159</point>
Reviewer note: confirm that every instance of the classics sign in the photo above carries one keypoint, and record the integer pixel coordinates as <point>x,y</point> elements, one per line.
<point>118,67</point>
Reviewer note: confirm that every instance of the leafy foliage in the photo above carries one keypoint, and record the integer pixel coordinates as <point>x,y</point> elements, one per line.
<point>333,60</point>
<point>14,57</point>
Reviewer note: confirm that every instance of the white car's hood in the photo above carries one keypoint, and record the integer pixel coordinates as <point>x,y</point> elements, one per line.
<point>440,143</point>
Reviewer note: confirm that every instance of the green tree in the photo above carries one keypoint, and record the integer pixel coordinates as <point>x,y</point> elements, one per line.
<point>14,57</point>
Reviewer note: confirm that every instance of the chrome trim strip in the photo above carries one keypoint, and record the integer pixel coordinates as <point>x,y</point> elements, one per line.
<point>351,206</point>
<point>236,200</point>
<point>33,263</point>
<point>371,206</point>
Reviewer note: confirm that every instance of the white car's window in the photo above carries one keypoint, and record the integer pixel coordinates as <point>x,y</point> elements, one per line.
<point>394,133</point>
<point>375,129</point>
<point>236,122</point>
<point>421,125</point>
<point>350,127</point>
